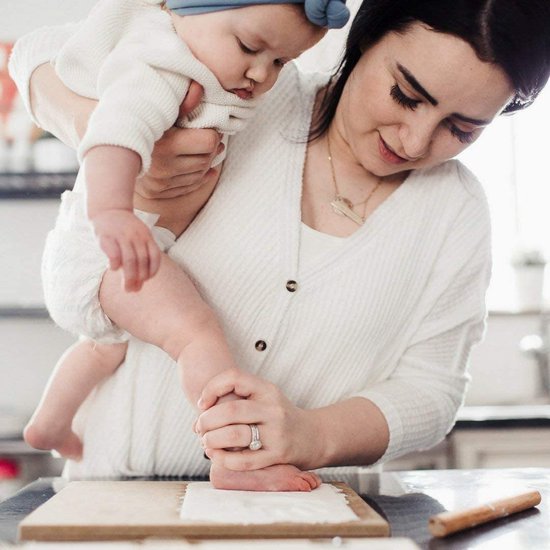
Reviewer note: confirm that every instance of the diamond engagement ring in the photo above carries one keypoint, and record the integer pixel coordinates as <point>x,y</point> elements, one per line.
<point>255,443</point>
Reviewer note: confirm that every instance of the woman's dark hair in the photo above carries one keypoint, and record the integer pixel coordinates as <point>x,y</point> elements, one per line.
<point>513,34</point>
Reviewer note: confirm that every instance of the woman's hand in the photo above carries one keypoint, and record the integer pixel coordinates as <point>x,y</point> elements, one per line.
<point>181,159</point>
<point>289,435</point>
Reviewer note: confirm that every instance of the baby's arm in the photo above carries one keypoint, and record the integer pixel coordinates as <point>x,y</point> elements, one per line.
<point>181,158</point>
<point>111,173</point>
<point>140,94</point>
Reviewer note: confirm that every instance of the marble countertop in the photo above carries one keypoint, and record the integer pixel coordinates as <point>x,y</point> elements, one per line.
<point>34,185</point>
<point>405,499</point>
<point>503,416</point>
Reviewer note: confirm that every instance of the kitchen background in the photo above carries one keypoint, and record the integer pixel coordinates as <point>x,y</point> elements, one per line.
<point>506,417</point>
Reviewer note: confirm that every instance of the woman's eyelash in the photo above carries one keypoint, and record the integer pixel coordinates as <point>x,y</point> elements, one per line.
<point>245,48</point>
<point>409,103</point>
<point>402,99</point>
<point>461,135</point>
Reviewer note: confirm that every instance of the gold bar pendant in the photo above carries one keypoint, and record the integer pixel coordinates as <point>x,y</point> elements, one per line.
<point>341,207</point>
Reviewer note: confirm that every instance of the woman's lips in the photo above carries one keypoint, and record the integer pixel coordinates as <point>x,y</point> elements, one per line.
<point>387,154</point>
<point>243,93</point>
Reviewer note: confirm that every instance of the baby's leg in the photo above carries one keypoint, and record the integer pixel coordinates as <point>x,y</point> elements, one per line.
<point>170,313</point>
<point>76,374</point>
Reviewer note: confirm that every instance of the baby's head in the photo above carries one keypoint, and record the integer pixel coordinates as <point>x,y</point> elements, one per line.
<point>246,43</point>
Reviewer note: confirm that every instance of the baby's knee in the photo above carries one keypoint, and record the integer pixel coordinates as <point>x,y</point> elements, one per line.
<point>108,356</point>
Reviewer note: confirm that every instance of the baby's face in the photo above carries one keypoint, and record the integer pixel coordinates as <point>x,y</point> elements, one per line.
<point>246,47</point>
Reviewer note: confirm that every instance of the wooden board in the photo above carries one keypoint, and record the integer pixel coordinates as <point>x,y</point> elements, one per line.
<point>133,510</point>
<point>371,543</point>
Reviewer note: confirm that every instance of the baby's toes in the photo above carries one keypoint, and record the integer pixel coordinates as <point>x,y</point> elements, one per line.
<point>313,479</point>
<point>300,484</point>
<point>309,478</point>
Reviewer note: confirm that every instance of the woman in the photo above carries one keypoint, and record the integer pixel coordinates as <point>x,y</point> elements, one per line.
<point>348,270</point>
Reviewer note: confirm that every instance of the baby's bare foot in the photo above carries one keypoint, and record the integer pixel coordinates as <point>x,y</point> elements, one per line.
<point>280,477</point>
<point>65,441</point>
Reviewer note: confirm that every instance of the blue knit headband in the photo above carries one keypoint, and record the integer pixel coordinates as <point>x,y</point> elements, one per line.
<point>333,14</point>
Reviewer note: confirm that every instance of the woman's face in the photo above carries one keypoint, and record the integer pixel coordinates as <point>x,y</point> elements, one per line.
<point>417,99</point>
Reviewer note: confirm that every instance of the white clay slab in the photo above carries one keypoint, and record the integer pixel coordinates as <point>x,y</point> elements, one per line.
<point>203,503</point>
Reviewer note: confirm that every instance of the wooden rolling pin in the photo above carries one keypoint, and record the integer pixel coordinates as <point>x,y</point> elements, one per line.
<point>446,523</point>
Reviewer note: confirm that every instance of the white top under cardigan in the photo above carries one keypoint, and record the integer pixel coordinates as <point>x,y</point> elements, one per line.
<point>389,315</point>
<point>127,54</point>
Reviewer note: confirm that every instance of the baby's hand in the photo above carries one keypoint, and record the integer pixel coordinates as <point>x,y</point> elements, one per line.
<point>128,243</point>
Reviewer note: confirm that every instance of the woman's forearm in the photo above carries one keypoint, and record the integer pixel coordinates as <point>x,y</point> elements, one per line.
<point>59,110</point>
<point>353,432</point>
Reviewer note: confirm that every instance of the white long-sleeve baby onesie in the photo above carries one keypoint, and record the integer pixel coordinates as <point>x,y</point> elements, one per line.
<point>127,54</point>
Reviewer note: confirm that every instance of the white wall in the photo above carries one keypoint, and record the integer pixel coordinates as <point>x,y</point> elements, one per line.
<point>29,348</point>
<point>21,16</point>
<point>501,373</point>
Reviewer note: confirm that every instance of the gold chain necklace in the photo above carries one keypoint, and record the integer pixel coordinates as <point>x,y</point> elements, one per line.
<point>343,206</point>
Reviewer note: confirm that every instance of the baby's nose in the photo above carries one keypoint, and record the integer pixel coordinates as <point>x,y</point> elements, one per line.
<point>258,73</point>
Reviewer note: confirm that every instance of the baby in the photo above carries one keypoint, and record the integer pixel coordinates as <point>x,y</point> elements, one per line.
<point>138,57</point>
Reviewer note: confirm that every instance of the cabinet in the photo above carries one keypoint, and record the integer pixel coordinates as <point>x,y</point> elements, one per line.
<point>500,448</point>
<point>30,343</point>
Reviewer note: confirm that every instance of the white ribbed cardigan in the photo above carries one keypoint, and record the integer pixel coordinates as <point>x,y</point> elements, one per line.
<point>391,315</point>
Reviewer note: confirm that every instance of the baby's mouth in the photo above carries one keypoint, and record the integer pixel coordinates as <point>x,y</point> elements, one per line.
<point>243,93</point>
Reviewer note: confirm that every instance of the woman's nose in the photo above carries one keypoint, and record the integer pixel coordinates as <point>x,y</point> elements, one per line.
<point>416,139</point>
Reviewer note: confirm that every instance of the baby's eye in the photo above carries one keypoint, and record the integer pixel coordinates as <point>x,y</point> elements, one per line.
<point>245,48</point>
<point>403,100</point>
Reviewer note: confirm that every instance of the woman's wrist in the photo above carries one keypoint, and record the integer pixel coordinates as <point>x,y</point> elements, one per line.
<point>349,433</point>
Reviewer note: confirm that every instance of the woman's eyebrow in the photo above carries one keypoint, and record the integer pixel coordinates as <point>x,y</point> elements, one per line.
<point>407,75</point>
<point>475,121</point>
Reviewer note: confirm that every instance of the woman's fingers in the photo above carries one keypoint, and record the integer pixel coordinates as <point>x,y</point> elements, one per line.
<point>192,98</point>
<point>241,461</point>
<point>184,148</point>
<point>181,163</point>
<point>230,380</point>
<point>236,435</point>
<point>176,186</point>
<point>241,411</point>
